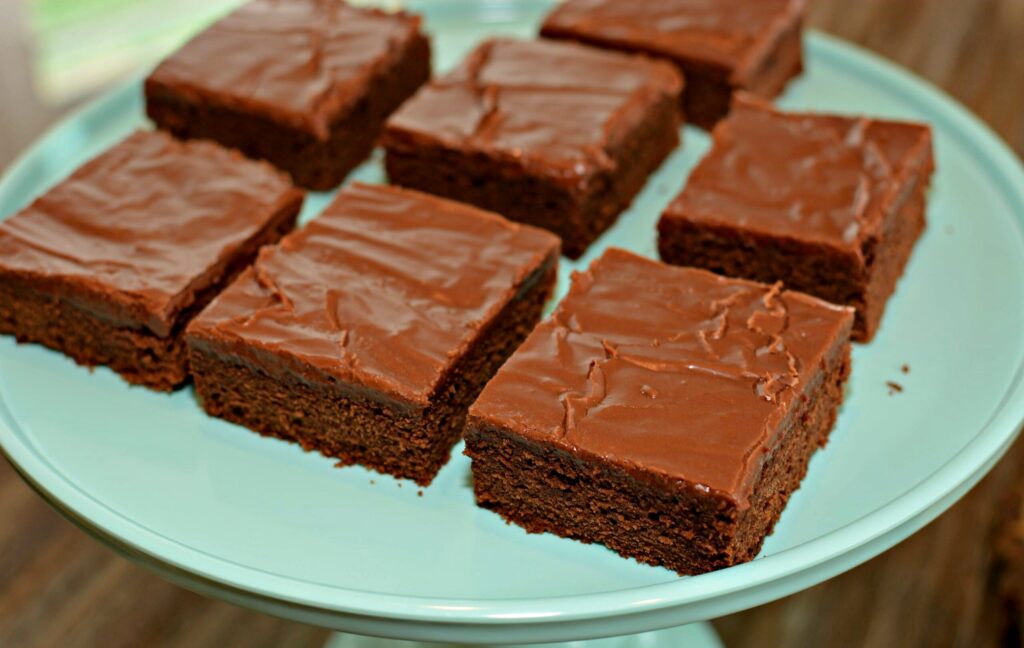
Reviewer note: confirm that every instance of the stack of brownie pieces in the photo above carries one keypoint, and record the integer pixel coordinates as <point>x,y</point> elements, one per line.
<point>666,412</point>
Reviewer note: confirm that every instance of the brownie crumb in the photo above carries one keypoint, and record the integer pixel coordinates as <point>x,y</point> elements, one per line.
<point>419,493</point>
<point>373,482</point>
<point>905,368</point>
<point>894,387</point>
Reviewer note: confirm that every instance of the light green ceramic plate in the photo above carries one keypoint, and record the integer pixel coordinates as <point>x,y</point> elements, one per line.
<point>258,521</point>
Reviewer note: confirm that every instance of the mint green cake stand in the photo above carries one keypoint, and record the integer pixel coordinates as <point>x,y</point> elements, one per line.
<point>260,523</point>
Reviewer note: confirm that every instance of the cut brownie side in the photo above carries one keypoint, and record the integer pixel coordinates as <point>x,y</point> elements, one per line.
<point>666,413</point>
<point>831,206</point>
<point>366,335</point>
<point>554,135</point>
<point>409,442</point>
<point>108,266</point>
<point>720,46</point>
<point>263,97</point>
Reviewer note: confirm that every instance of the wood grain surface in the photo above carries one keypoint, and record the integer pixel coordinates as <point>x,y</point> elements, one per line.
<point>58,587</point>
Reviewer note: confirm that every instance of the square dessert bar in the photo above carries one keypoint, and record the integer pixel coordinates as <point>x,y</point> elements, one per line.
<point>305,84</point>
<point>720,45</point>
<point>667,413</point>
<point>829,205</point>
<point>367,334</point>
<point>556,135</point>
<point>110,265</point>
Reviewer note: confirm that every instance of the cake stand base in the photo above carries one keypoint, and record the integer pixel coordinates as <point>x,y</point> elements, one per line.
<point>694,635</point>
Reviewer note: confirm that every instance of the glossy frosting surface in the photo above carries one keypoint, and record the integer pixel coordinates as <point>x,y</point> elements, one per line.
<point>811,177</point>
<point>556,107</point>
<point>144,221</point>
<point>672,371</point>
<point>303,59</point>
<point>720,32</point>
<point>386,288</point>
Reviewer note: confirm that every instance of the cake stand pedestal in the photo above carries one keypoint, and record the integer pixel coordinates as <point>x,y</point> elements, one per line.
<point>694,635</point>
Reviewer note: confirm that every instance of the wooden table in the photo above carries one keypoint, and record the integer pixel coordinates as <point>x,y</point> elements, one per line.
<point>59,587</point>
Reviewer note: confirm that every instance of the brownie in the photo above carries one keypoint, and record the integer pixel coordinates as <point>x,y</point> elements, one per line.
<point>110,265</point>
<point>667,413</point>
<point>305,84</point>
<point>367,334</point>
<point>721,45</point>
<point>829,205</point>
<point>556,135</point>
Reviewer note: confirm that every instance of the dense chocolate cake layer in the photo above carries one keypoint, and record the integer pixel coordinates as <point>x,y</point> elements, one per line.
<point>666,371</point>
<point>556,135</point>
<point>367,334</point>
<point>109,265</point>
<point>830,205</point>
<point>304,84</point>
<point>556,108</point>
<point>385,288</point>
<point>301,61</point>
<point>721,46</point>
<point>794,175</point>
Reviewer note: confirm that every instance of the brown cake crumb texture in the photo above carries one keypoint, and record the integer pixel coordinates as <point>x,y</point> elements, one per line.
<point>404,442</point>
<point>34,314</point>
<point>674,527</point>
<point>525,173</point>
<point>317,158</point>
<point>864,277</point>
<point>720,47</point>
<point>106,266</point>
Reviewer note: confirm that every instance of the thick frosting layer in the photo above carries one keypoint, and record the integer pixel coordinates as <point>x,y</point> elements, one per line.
<point>728,34</point>
<point>144,225</point>
<point>666,370</point>
<point>387,288</point>
<point>811,177</point>
<point>556,108</point>
<point>303,61</point>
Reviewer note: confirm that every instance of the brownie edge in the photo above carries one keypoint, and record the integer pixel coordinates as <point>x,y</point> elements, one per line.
<point>670,424</point>
<point>317,122</point>
<point>554,135</point>
<point>110,265</point>
<point>367,334</point>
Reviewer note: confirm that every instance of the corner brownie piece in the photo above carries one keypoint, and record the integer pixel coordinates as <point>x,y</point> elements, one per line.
<point>556,135</point>
<point>109,265</point>
<point>367,334</point>
<point>665,412</point>
<point>721,46</point>
<point>305,84</point>
<point>829,205</point>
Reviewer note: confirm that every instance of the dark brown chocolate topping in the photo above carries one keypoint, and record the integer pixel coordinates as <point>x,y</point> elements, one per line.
<point>556,108</point>
<point>811,177</point>
<point>301,61</point>
<point>729,34</point>
<point>666,370</point>
<point>387,288</point>
<point>144,224</point>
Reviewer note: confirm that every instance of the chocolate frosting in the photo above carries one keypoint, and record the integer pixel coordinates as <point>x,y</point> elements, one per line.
<point>302,61</point>
<point>384,290</point>
<point>729,34</point>
<point>144,226</point>
<point>555,108</point>
<point>817,178</point>
<point>666,371</point>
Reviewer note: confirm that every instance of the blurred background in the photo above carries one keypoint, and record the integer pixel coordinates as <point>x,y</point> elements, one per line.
<point>956,583</point>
